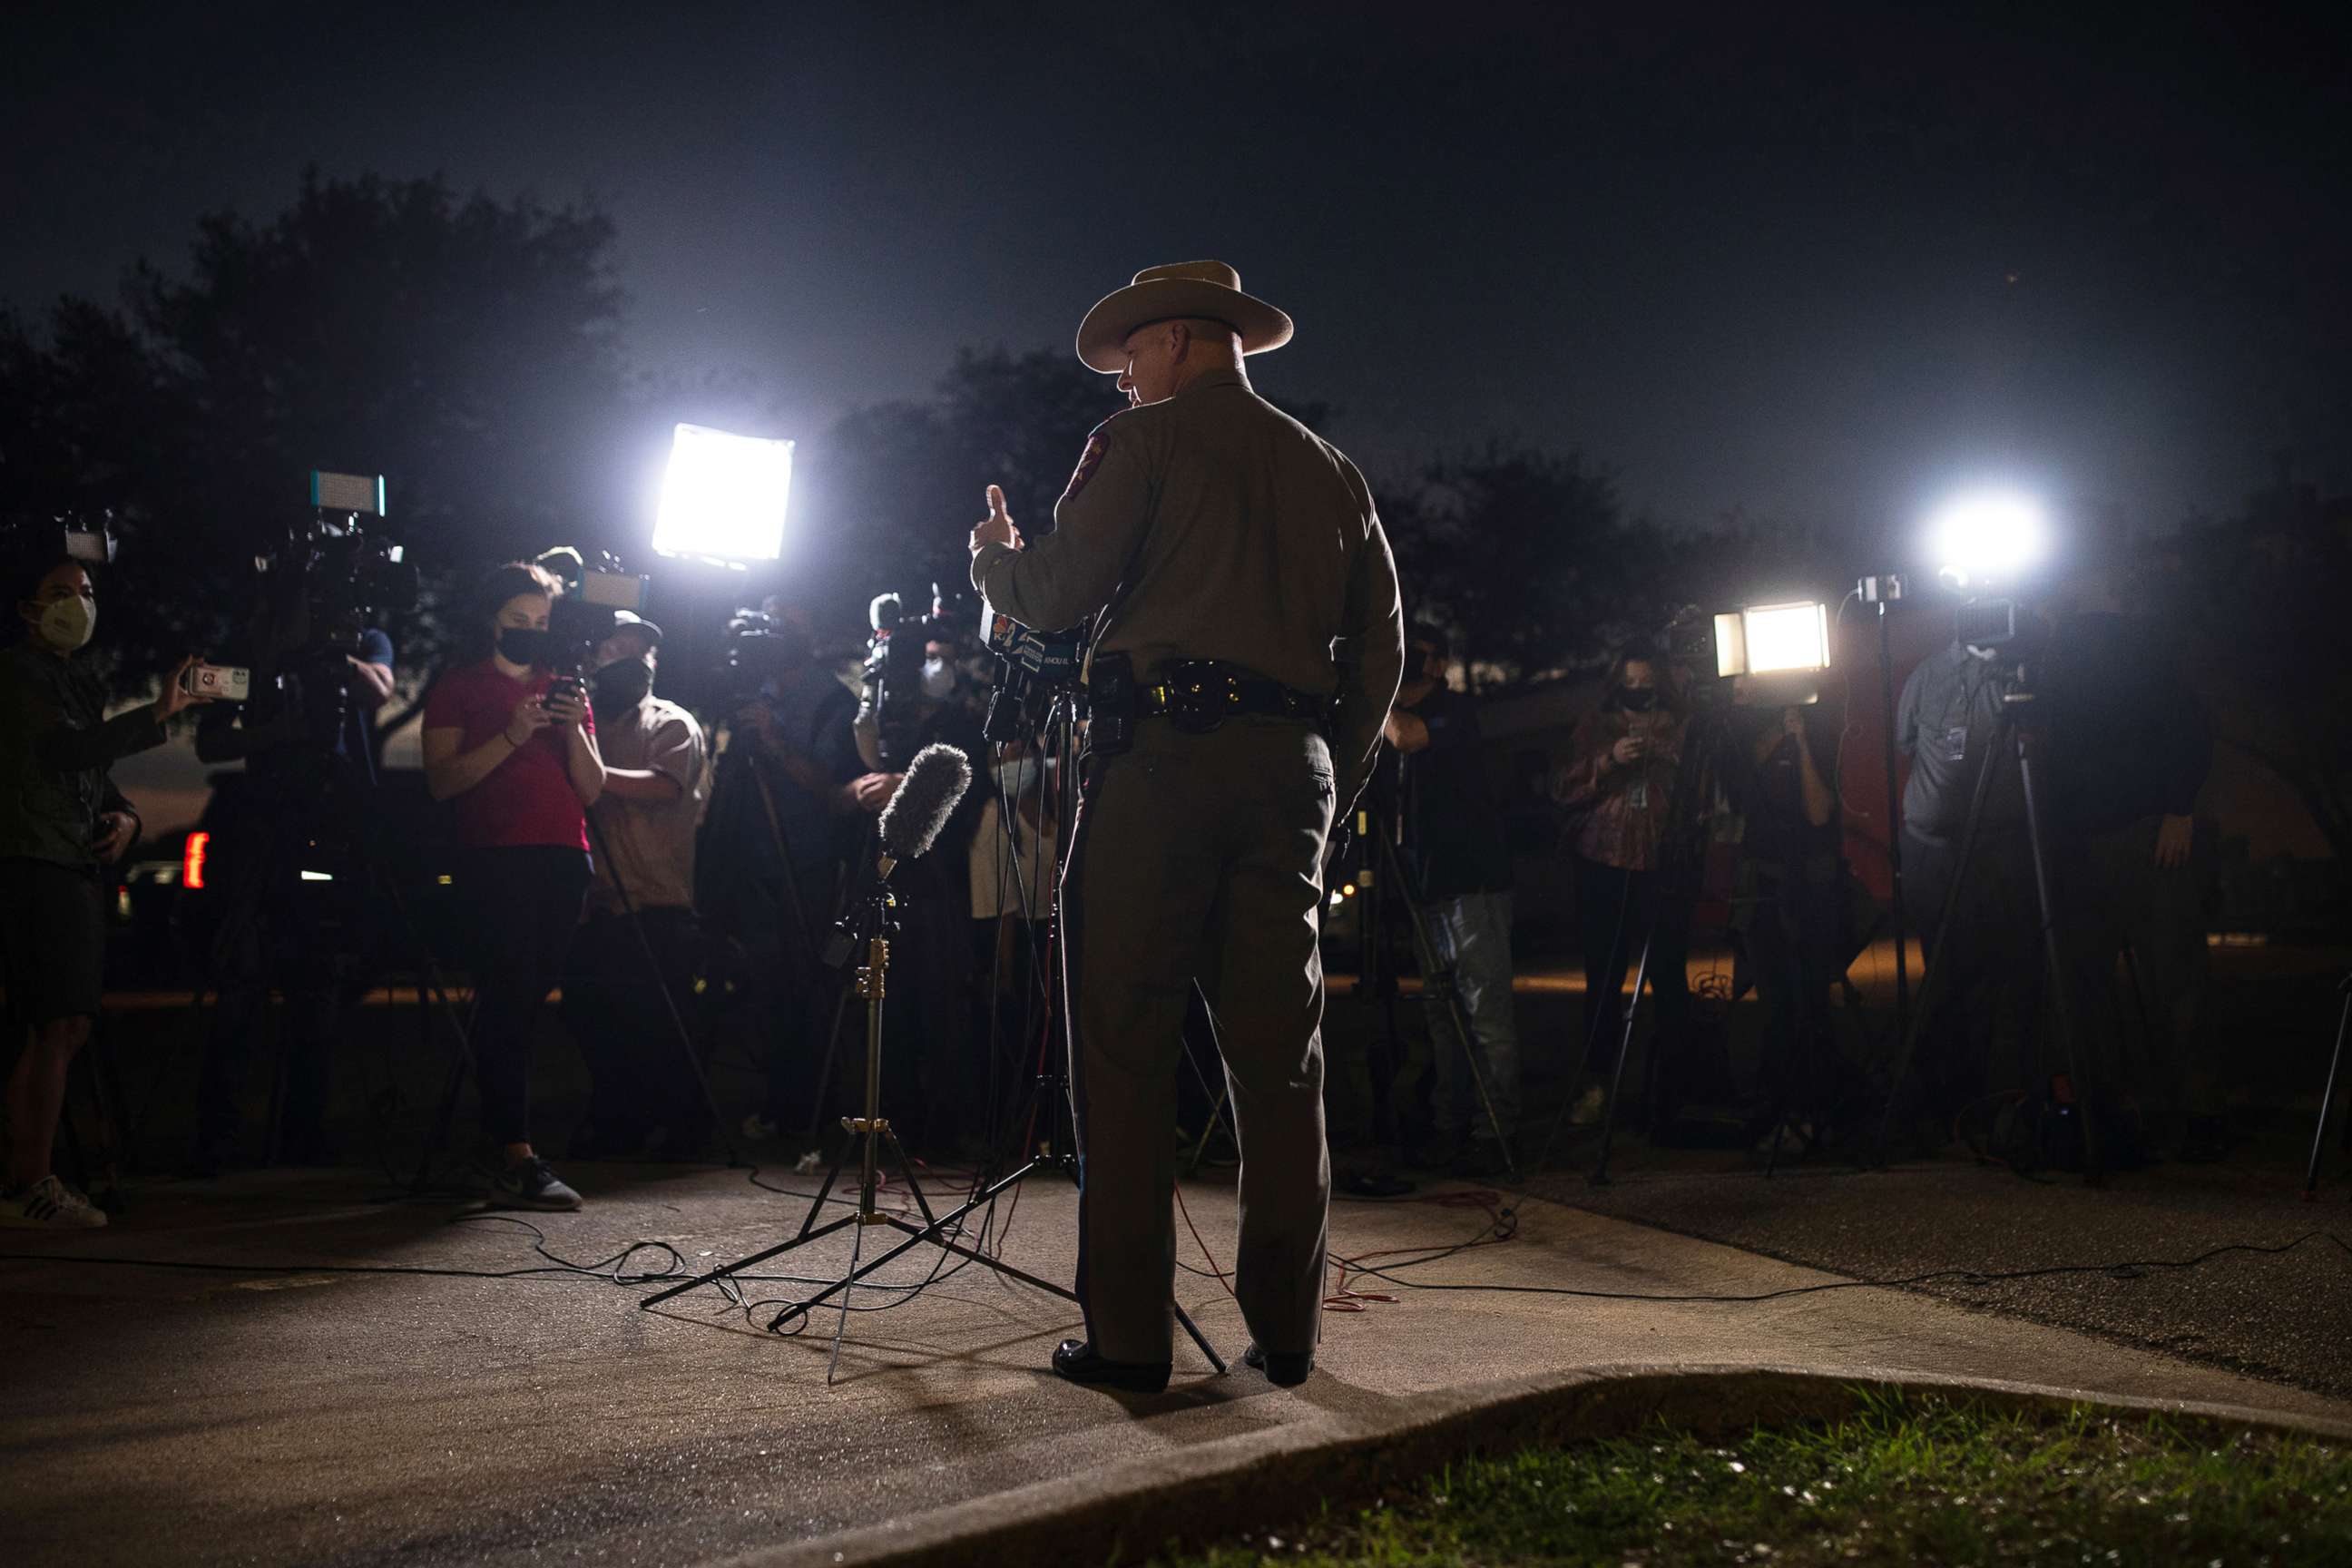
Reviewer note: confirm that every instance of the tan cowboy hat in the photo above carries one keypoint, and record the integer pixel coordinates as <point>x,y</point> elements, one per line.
<point>1205,288</point>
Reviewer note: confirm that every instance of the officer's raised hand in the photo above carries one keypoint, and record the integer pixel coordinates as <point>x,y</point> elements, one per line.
<point>998,528</point>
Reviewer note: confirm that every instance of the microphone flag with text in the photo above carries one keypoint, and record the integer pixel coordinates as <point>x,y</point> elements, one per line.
<point>935,782</point>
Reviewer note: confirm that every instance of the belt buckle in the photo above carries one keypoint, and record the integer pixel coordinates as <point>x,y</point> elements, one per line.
<point>1197,700</point>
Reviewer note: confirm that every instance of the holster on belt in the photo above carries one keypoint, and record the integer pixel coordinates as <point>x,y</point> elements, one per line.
<point>1111,704</point>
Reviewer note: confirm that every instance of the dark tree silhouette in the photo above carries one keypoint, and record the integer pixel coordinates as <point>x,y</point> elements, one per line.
<point>461,346</point>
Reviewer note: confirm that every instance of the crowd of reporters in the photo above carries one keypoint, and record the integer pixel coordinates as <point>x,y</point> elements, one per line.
<point>606,849</point>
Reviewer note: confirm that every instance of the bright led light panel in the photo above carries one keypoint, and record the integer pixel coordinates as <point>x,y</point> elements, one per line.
<point>1769,639</point>
<point>1990,536</point>
<point>724,497</point>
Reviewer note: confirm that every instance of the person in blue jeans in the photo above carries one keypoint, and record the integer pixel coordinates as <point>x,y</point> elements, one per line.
<point>1459,857</point>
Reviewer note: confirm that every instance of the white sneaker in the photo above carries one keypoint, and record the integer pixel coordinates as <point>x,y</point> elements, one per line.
<point>49,1205</point>
<point>1588,1107</point>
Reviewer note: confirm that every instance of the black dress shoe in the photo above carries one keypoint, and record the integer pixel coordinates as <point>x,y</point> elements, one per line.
<point>1284,1369</point>
<point>1076,1360</point>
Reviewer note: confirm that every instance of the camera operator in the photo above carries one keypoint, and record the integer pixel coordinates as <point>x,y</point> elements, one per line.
<point>1247,641</point>
<point>2129,749</point>
<point>62,823</point>
<point>305,724</point>
<point>514,748</point>
<point>769,868</point>
<point>1461,856</point>
<point>1984,1015</point>
<point>1617,790</point>
<point>656,781</point>
<point>1791,910</point>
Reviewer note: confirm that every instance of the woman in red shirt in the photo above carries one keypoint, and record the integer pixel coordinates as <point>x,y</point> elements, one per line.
<point>515,752</point>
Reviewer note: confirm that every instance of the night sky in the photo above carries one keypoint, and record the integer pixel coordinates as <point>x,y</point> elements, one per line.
<point>1816,271</point>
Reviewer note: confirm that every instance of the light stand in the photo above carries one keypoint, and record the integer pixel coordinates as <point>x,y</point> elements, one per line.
<point>2009,734</point>
<point>1881,592</point>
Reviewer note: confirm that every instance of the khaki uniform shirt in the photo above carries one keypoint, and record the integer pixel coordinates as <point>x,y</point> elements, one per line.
<point>1213,525</point>
<point>652,842</point>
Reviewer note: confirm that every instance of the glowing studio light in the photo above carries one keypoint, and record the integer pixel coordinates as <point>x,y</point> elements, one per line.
<point>1987,536</point>
<point>724,497</point>
<point>1771,639</point>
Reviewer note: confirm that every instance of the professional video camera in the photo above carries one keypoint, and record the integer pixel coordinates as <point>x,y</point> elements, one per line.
<point>66,536</point>
<point>894,655</point>
<point>596,589</point>
<point>758,646</point>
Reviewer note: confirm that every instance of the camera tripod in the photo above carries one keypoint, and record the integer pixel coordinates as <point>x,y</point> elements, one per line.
<point>1383,870</point>
<point>2013,738</point>
<point>1679,852</point>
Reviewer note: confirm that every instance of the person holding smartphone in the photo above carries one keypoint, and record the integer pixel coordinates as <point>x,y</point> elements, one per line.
<point>512,746</point>
<point>1618,792</point>
<point>62,823</point>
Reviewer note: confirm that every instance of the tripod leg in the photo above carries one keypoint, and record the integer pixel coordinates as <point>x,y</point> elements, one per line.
<point>2327,1095</point>
<point>1600,1177</point>
<point>1941,959</point>
<point>841,1321</point>
<point>2061,1000</point>
<point>1434,970</point>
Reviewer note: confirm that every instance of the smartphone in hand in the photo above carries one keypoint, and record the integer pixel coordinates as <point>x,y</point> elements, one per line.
<point>222,683</point>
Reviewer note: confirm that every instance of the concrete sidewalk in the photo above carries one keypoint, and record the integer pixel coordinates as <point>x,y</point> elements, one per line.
<point>356,1418</point>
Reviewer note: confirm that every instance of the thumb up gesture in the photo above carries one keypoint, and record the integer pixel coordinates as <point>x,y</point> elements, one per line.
<point>998,527</point>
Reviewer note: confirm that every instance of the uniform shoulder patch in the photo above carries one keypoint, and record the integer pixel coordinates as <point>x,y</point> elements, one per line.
<point>1088,460</point>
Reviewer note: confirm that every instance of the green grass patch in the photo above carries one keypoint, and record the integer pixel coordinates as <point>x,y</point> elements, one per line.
<point>1902,1481</point>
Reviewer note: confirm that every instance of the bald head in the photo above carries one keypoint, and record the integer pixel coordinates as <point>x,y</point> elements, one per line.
<point>1163,357</point>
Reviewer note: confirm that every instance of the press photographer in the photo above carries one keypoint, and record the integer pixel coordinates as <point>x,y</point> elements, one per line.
<point>1618,792</point>
<point>655,784</point>
<point>62,824</point>
<point>513,747</point>
<point>317,674</point>
<point>1791,910</point>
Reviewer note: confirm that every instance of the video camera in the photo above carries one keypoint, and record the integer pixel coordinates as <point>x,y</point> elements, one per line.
<point>759,645</point>
<point>349,572</point>
<point>894,654</point>
<point>596,589</point>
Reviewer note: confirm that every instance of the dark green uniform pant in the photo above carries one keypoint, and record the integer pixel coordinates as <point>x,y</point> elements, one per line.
<point>1199,858</point>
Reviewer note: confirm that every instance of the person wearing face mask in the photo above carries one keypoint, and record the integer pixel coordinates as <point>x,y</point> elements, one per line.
<point>1618,792</point>
<point>657,770</point>
<point>515,753</point>
<point>62,823</point>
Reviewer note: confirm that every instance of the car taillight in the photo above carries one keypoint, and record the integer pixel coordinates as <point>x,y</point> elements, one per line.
<point>191,860</point>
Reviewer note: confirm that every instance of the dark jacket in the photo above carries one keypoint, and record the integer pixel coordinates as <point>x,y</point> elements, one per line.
<point>55,746</point>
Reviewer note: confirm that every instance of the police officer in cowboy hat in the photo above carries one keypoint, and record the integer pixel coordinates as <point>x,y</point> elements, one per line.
<point>1246,644</point>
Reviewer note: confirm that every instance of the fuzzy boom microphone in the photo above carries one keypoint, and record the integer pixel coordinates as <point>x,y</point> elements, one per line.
<point>925,799</point>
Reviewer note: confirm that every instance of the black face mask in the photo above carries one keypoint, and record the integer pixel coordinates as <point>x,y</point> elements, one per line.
<point>1637,698</point>
<point>523,645</point>
<point>624,683</point>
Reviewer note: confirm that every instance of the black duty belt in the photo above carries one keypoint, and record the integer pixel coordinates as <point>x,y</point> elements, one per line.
<point>1201,694</point>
